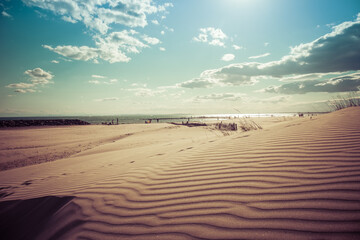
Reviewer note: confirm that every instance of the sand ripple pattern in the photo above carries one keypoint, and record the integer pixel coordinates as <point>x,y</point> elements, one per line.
<point>290,182</point>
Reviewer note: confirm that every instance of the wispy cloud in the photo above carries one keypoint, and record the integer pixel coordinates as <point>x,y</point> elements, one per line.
<point>97,81</point>
<point>94,81</point>
<point>259,56</point>
<point>107,99</point>
<point>5,14</point>
<point>219,97</point>
<point>146,92</point>
<point>29,90</point>
<point>20,85</point>
<point>98,76</point>
<point>236,47</point>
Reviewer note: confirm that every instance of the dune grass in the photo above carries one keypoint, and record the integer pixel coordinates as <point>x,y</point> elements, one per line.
<point>341,102</point>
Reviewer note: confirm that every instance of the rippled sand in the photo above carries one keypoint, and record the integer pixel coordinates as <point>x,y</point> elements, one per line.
<point>295,179</point>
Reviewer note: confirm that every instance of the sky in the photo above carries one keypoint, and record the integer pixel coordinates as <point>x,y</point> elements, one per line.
<point>108,57</point>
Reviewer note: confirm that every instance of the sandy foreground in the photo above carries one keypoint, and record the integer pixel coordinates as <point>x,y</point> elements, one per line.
<point>294,179</point>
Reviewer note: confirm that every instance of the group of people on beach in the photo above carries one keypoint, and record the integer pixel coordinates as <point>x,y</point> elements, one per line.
<point>112,122</point>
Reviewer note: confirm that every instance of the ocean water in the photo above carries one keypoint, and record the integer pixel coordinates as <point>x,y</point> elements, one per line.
<point>126,119</point>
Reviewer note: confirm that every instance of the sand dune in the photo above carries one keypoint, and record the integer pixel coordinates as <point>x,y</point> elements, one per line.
<point>297,179</point>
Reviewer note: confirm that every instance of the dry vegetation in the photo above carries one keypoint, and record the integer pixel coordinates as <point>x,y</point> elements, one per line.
<point>341,102</point>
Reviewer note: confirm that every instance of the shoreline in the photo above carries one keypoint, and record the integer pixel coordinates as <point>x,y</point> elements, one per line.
<point>139,118</point>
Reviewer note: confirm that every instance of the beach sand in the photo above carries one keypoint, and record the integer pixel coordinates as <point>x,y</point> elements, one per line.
<point>296,178</point>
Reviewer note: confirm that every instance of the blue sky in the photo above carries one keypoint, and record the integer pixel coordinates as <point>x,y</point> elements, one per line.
<point>207,56</point>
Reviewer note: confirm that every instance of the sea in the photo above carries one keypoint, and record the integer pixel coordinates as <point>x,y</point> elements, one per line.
<point>139,118</point>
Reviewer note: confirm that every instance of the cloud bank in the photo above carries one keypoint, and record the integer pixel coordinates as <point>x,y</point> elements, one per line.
<point>337,51</point>
<point>346,83</point>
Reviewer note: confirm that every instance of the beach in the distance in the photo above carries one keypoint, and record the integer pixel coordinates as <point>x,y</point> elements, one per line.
<point>296,178</point>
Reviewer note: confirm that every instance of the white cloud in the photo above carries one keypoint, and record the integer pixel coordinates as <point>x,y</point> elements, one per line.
<point>259,56</point>
<point>213,77</point>
<point>37,77</point>
<point>169,29</point>
<point>5,14</point>
<point>217,42</point>
<point>213,36</point>
<point>139,85</point>
<point>201,82</point>
<point>305,77</point>
<point>266,44</point>
<point>25,90</point>
<point>163,8</point>
<point>97,76</point>
<point>68,19</point>
<point>123,40</point>
<point>219,97</point>
<point>162,49</point>
<point>146,92</point>
<point>111,48</point>
<point>99,15</point>
<point>20,85</point>
<point>94,81</point>
<point>345,83</point>
<point>151,40</point>
<point>337,51</point>
<point>162,32</point>
<point>156,22</point>
<point>274,100</point>
<point>236,47</point>
<point>228,57</point>
<point>107,99</point>
<point>84,53</point>
<point>55,61</point>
